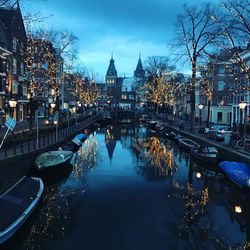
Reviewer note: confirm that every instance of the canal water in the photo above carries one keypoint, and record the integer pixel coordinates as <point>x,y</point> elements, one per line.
<point>128,190</point>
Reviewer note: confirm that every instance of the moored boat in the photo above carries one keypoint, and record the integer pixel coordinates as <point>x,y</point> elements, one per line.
<point>207,154</point>
<point>237,172</point>
<point>17,203</point>
<point>187,144</point>
<point>69,146</point>
<point>52,160</point>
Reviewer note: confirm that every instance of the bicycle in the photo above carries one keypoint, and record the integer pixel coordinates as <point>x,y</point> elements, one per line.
<point>242,143</point>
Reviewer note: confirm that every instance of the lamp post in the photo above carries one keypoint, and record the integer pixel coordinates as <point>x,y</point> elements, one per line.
<point>52,105</point>
<point>12,104</point>
<point>200,106</point>
<point>242,106</point>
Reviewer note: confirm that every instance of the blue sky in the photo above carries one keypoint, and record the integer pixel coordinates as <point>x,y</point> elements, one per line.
<point>122,27</point>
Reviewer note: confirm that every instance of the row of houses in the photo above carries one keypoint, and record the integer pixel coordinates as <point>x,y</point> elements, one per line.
<point>222,90</point>
<point>31,72</point>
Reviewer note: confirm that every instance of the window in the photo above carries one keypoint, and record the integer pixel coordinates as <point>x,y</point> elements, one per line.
<point>14,66</point>
<point>1,83</point>
<point>221,86</point>
<point>14,43</point>
<point>22,69</point>
<point>15,87</point>
<point>25,90</point>
<point>221,69</point>
<point>219,117</point>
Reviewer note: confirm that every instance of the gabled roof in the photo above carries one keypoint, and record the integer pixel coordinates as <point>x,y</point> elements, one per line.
<point>8,16</point>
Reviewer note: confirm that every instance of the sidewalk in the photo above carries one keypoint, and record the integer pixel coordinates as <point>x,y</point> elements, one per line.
<point>228,151</point>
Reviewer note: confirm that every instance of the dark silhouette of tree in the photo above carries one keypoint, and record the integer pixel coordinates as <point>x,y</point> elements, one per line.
<point>196,34</point>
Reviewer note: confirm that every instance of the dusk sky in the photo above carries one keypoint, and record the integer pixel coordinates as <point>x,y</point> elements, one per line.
<point>124,28</point>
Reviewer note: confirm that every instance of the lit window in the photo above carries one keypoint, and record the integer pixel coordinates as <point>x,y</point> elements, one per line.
<point>221,86</point>
<point>221,69</point>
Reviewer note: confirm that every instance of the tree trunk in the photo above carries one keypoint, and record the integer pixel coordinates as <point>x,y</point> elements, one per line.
<point>192,90</point>
<point>208,112</point>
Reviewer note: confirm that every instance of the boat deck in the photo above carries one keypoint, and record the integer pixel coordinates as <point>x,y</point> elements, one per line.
<point>15,201</point>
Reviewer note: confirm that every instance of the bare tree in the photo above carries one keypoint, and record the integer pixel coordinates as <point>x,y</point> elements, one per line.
<point>234,20</point>
<point>196,33</point>
<point>156,65</point>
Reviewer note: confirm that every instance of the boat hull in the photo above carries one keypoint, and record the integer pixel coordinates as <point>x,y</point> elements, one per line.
<point>238,173</point>
<point>53,161</point>
<point>187,144</point>
<point>16,203</point>
<point>208,158</point>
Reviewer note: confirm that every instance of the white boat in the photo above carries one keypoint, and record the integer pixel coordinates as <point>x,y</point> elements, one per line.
<point>17,203</point>
<point>52,160</point>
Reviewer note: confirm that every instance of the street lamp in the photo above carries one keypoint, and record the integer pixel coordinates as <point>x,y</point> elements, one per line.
<point>200,106</point>
<point>12,104</point>
<point>242,106</point>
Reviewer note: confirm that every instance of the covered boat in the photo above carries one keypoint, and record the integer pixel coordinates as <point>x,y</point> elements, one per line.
<point>17,203</point>
<point>207,154</point>
<point>69,146</point>
<point>237,172</point>
<point>53,160</point>
<point>81,137</point>
<point>187,144</point>
<point>77,141</point>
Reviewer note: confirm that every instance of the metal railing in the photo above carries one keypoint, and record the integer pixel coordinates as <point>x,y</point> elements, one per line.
<point>44,141</point>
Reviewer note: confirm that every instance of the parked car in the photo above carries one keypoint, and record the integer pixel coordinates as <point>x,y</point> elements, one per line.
<point>217,132</point>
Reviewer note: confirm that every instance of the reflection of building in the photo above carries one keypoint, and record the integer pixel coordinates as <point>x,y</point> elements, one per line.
<point>110,141</point>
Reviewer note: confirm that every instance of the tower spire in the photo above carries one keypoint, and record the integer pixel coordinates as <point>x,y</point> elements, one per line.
<point>139,71</point>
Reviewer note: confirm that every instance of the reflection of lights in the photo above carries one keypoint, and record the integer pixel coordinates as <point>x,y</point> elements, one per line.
<point>237,209</point>
<point>157,153</point>
<point>198,175</point>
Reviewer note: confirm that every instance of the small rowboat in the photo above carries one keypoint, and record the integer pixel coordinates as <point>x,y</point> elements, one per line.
<point>17,203</point>
<point>206,154</point>
<point>52,160</point>
<point>238,173</point>
<point>187,144</point>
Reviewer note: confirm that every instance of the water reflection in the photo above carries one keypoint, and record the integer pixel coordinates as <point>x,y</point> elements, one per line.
<point>200,209</point>
<point>156,156</point>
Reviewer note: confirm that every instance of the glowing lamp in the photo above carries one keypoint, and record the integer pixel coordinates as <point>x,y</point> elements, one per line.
<point>200,106</point>
<point>53,105</point>
<point>242,105</point>
<point>12,103</point>
<point>198,175</point>
<point>237,209</point>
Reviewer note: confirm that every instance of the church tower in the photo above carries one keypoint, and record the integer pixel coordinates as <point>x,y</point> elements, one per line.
<point>111,75</point>
<point>139,72</point>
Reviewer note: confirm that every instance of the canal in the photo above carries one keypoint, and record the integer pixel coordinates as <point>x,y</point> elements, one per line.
<point>127,190</point>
